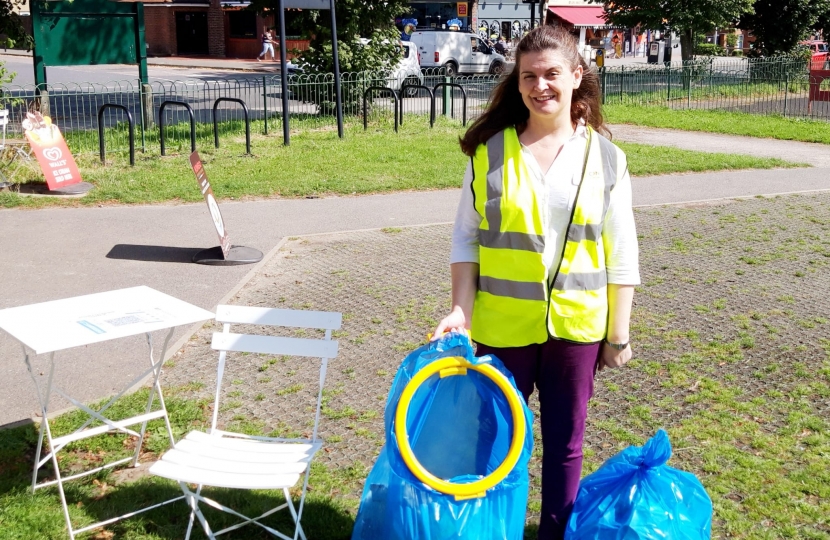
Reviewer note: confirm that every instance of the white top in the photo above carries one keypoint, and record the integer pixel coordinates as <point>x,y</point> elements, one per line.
<point>72,322</point>
<point>559,188</point>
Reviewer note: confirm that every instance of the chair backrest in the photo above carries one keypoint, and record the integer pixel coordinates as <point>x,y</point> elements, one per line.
<point>226,341</point>
<point>4,121</point>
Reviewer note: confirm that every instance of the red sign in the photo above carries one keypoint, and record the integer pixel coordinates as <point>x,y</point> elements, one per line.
<point>461,8</point>
<point>53,156</point>
<point>207,191</point>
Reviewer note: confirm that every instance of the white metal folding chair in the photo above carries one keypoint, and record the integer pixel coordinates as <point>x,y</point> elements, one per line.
<point>10,151</point>
<point>233,460</point>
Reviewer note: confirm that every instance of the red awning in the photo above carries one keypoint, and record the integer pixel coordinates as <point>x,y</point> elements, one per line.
<point>582,16</point>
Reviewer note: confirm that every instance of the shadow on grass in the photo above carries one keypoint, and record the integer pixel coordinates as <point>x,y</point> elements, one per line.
<point>321,519</point>
<point>113,493</point>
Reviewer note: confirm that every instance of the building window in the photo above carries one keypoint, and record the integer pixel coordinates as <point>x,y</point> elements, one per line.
<point>242,24</point>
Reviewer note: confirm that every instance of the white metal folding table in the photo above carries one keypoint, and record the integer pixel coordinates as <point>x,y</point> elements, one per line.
<point>54,326</point>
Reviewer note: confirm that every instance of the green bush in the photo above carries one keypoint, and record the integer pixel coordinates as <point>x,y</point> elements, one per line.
<point>708,49</point>
<point>737,52</point>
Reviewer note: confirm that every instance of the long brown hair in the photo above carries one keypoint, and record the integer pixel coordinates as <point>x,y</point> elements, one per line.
<point>506,107</point>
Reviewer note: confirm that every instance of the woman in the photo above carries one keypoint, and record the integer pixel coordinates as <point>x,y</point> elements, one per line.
<point>267,45</point>
<point>544,257</point>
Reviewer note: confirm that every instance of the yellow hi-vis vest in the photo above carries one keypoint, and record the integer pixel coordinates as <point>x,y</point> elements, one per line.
<point>517,302</point>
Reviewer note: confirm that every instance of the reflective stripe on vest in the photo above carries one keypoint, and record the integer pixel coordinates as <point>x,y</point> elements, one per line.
<point>514,305</point>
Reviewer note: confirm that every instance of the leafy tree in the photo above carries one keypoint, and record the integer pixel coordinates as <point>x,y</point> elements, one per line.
<point>367,43</point>
<point>823,24</point>
<point>686,17</point>
<point>778,25</point>
<point>10,25</point>
<point>356,19</point>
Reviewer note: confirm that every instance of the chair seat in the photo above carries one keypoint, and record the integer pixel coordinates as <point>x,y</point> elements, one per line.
<point>222,461</point>
<point>16,142</point>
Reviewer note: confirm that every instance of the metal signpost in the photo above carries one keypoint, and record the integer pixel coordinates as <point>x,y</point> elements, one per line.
<point>309,4</point>
<point>113,33</point>
<point>224,254</point>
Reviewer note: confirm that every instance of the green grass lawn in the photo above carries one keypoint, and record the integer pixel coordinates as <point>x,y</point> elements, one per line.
<point>24,516</point>
<point>730,123</point>
<point>317,163</point>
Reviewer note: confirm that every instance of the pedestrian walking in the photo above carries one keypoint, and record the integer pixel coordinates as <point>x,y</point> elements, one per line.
<point>617,43</point>
<point>267,45</point>
<point>544,255</point>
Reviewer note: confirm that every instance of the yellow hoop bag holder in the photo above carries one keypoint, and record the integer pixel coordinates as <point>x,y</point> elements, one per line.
<point>458,440</point>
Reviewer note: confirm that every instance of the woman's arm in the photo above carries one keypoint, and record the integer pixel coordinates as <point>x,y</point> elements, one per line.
<point>622,265</point>
<point>464,267</point>
<point>620,298</point>
<point>464,286</point>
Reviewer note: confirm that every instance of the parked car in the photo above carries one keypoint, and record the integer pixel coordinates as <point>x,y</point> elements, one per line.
<point>457,52</point>
<point>819,51</point>
<point>816,46</point>
<point>407,72</point>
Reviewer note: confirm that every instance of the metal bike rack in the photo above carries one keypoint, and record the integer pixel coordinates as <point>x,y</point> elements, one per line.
<point>394,96</point>
<point>463,100</point>
<point>192,123</point>
<point>247,122</point>
<point>101,145</point>
<point>431,100</point>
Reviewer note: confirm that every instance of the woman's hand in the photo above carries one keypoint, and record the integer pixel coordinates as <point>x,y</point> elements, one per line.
<point>456,320</point>
<point>613,358</point>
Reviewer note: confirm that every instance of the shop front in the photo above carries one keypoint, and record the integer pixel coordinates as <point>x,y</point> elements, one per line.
<point>505,19</point>
<point>588,22</point>
<point>438,14</point>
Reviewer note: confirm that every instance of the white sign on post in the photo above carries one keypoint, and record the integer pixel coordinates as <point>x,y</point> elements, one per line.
<point>207,191</point>
<point>306,4</point>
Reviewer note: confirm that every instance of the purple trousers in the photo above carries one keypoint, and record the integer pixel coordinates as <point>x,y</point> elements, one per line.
<point>563,372</point>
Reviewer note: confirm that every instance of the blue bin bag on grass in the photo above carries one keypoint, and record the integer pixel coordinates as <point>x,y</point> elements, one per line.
<point>460,429</point>
<point>636,496</point>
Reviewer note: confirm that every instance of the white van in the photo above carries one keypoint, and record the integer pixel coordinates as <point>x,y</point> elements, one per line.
<point>458,52</point>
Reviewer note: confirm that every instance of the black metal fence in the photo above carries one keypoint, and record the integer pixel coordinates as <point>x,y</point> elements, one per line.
<point>781,87</point>
<point>762,86</point>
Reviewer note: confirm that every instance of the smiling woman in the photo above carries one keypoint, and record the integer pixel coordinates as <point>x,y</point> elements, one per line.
<point>544,257</point>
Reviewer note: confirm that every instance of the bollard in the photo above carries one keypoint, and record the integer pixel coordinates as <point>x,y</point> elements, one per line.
<point>192,123</point>
<point>247,122</point>
<point>101,146</point>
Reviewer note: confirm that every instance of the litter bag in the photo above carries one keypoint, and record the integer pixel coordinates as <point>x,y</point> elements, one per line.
<point>460,428</point>
<point>636,496</point>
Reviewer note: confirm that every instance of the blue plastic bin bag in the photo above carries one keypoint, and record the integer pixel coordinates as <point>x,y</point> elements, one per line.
<point>636,496</point>
<point>460,429</point>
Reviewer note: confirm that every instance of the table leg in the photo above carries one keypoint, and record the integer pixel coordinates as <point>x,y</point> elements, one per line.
<point>155,388</point>
<point>43,407</point>
<point>44,426</point>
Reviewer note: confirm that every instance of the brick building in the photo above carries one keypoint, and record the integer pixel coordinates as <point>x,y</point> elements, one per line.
<point>203,27</point>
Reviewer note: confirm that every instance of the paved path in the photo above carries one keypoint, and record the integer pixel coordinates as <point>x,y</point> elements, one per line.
<point>59,253</point>
<point>817,155</point>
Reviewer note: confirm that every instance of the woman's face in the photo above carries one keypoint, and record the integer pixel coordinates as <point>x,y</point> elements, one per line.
<point>546,84</point>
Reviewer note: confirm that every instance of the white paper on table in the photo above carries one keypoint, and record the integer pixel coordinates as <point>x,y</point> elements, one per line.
<point>102,323</point>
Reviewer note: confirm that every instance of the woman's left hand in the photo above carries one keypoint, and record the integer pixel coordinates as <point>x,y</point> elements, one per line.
<point>613,358</point>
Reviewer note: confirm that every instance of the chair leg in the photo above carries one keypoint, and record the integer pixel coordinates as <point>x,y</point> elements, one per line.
<point>298,529</point>
<point>194,509</point>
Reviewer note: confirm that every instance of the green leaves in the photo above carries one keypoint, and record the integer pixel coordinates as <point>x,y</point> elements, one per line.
<point>778,25</point>
<point>685,17</point>
<point>356,19</point>
<point>12,27</point>
<point>699,15</point>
